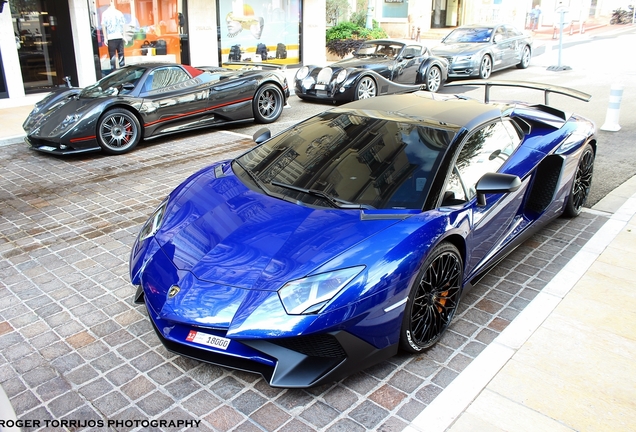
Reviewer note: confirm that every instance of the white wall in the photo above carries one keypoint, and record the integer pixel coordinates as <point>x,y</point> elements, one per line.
<point>202,36</point>
<point>314,29</point>
<point>10,59</point>
<point>83,45</point>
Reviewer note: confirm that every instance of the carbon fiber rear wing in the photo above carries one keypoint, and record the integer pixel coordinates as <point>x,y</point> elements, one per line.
<point>546,88</point>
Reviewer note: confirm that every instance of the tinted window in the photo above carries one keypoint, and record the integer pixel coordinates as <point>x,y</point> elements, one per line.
<point>500,34</point>
<point>413,50</point>
<point>165,77</point>
<point>484,151</point>
<point>361,160</point>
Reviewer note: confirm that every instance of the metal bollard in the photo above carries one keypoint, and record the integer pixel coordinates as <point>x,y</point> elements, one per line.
<point>613,109</point>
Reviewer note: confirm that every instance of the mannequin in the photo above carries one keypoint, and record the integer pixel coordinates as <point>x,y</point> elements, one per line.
<point>113,28</point>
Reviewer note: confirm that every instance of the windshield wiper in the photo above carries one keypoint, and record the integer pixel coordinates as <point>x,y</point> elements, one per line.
<point>253,177</point>
<point>336,202</point>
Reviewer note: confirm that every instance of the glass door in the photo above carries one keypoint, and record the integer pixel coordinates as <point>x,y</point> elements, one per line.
<point>43,38</point>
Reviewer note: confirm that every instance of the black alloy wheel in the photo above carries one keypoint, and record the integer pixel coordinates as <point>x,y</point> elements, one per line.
<point>268,103</point>
<point>433,299</point>
<point>118,131</point>
<point>581,183</point>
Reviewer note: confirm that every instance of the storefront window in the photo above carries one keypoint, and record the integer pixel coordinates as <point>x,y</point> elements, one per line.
<point>138,31</point>
<point>395,9</point>
<point>267,31</point>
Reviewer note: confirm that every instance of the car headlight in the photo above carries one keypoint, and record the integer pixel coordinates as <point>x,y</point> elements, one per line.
<point>302,72</point>
<point>153,224</point>
<point>463,58</point>
<point>69,120</point>
<point>342,75</point>
<point>310,294</point>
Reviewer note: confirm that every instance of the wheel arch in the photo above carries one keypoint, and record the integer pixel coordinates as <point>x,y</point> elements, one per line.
<point>426,65</point>
<point>274,82</point>
<point>459,242</point>
<point>129,108</point>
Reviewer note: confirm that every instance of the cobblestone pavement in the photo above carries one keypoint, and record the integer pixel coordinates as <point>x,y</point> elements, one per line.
<point>74,346</point>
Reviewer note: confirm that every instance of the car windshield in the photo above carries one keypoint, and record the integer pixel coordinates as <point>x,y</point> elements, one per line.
<point>380,49</point>
<point>470,35</point>
<point>343,157</point>
<point>113,84</point>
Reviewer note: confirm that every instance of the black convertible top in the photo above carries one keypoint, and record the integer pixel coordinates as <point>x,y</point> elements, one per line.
<point>423,106</point>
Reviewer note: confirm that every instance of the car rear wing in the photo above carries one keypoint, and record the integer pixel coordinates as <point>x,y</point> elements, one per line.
<point>546,88</point>
<point>253,65</point>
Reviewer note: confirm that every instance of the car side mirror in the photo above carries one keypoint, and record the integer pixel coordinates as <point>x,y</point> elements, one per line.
<point>498,38</point>
<point>409,56</point>
<point>493,183</point>
<point>261,135</point>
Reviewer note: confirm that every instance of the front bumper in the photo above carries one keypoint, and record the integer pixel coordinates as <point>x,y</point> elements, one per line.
<point>57,148</point>
<point>463,68</point>
<point>329,93</point>
<point>293,362</point>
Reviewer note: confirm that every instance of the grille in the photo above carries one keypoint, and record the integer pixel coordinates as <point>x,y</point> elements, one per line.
<point>323,345</point>
<point>324,76</point>
<point>545,184</point>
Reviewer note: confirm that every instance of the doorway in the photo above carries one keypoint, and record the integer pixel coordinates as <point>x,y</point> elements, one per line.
<point>44,39</point>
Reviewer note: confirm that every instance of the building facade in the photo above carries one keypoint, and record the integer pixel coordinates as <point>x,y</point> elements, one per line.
<point>47,43</point>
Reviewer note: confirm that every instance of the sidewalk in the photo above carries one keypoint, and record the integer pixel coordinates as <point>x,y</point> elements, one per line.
<point>566,362</point>
<point>13,112</point>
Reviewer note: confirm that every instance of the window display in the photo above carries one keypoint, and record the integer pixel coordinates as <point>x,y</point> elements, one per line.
<point>267,31</point>
<point>153,30</point>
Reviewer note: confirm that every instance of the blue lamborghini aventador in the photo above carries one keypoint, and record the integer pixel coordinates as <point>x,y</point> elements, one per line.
<point>355,233</point>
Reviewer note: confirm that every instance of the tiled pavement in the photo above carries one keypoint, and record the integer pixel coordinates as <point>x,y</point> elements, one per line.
<point>73,345</point>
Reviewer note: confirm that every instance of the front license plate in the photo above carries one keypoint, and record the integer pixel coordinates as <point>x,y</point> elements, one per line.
<point>321,93</point>
<point>208,339</point>
<point>319,87</point>
<point>47,148</point>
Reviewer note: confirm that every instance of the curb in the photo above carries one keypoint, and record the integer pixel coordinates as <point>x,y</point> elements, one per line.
<point>449,405</point>
<point>7,413</point>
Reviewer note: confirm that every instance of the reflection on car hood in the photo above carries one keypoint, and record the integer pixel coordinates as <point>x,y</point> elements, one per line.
<point>227,234</point>
<point>446,50</point>
<point>51,116</point>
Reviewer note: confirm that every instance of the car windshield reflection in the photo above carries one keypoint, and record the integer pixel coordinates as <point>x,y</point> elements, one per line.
<point>113,83</point>
<point>469,35</point>
<point>388,50</point>
<point>350,158</point>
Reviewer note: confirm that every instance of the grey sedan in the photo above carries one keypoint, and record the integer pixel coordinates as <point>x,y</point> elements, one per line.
<point>479,50</point>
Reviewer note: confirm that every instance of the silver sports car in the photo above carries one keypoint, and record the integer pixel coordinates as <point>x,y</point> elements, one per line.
<point>479,50</point>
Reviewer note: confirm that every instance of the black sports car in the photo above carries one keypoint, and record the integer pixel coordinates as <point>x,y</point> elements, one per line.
<point>150,100</point>
<point>356,232</point>
<point>479,50</point>
<point>377,68</point>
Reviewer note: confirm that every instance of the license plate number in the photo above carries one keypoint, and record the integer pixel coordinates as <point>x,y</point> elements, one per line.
<point>208,339</point>
<point>320,87</point>
<point>47,148</point>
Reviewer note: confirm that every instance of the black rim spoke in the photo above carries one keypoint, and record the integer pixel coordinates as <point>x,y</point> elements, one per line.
<point>436,298</point>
